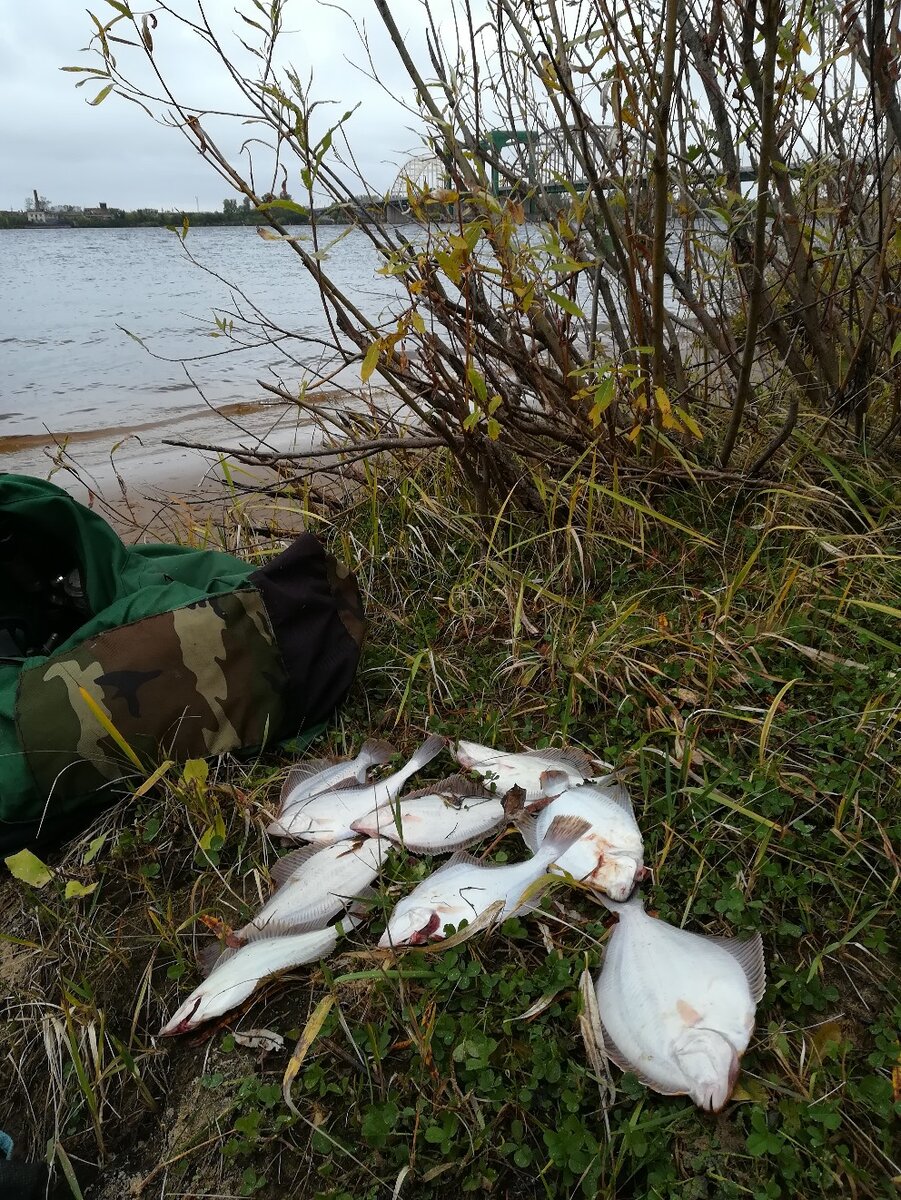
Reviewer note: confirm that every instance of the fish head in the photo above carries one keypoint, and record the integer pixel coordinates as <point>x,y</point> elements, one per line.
<point>413,927</point>
<point>617,875</point>
<point>185,1018</point>
<point>709,1064</point>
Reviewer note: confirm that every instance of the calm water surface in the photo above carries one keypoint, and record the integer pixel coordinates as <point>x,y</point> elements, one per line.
<point>65,364</point>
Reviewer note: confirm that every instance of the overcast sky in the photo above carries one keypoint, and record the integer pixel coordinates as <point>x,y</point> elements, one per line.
<point>52,140</point>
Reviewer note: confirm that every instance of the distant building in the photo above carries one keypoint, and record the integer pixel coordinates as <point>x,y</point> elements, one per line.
<point>101,213</point>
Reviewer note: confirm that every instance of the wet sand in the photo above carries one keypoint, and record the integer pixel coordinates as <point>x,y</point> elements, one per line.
<point>148,489</point>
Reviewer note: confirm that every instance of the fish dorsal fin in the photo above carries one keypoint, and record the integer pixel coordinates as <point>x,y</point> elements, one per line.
<point>527,826</point>
<point>289,864</point>
<point>304,770</point>
<point>616,1055</point>
<point>576,760</point>
<point>295,777</point>
<point>377,752</point>
<point>613,790</point>
<point>457,786</point>
<point>748,953</point>
<point>462,858</point>
<point>461,787</point>
<point>277,929</point>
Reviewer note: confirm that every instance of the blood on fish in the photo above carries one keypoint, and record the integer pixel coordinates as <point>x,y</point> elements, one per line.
<point>423,935</point>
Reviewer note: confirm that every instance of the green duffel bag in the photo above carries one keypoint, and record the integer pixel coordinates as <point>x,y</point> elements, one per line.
<point>179,653</point>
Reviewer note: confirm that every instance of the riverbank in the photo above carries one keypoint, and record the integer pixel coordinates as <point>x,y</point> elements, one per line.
<point>734,655</point>
<point>146,485</point>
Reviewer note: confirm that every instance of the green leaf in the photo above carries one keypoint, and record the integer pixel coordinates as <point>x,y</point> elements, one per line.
<point>493,429</point>
<point>28,868</point>
<point>603,398</point>
<point>370,361</point>
<point>477,383</point>
<point>94,849</point>
<point>288,205</point>
<point>101,95</point>
<point>896,346</point>
<point>566,304</point>
<point>214,835</point>
<point>75,890</point>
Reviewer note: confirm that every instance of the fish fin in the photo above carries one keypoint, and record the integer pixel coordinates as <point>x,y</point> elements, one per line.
<point>214,954</point>
<point>615,791</point>
<point>576,760</point>
<point>278,929</point>
<point>377,753</point>
<point>748,953</point>
<point>563,831</point>
<point>455,846</point>
<point>553,784</point>
<point>286,866</point>
<point>303,770</point>
<point>527,825</point>
<point>430,748</point>
<point>454,785</point>
<point>300,774</point>
<point>461,859</point>
<point>616,1055</point>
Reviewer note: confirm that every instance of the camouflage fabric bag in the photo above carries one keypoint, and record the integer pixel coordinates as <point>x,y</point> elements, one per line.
<point>184,653</point>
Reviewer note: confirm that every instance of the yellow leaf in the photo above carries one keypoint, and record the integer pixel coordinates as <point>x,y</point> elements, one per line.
<point>662,400</point>
<point>154,779</point>
<point>634,434</point>
<point>306,1040</point>
<point>28,868</point>
<point>196,770</point>
<point>417,321</point>
<point>370,361</point>
<point>689,422</point>
<point>416,287</point>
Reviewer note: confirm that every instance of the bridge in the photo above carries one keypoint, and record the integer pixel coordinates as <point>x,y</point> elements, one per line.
<point>540,159</point>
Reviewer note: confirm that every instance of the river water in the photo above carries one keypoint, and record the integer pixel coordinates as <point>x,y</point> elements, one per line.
<point>66,364</point>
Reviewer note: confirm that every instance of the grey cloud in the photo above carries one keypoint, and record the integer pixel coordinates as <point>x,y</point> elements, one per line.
<point>73,153</point>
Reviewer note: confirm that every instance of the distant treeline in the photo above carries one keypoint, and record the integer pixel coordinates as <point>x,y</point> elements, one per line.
<point>119,219</point>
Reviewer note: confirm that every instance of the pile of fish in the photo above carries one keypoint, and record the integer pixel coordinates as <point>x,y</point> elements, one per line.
<point>674,1007</point>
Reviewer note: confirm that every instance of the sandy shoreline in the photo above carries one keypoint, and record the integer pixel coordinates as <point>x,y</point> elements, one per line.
<point>149,489</point>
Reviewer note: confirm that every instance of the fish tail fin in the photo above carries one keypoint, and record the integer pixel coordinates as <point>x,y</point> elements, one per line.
<point>374,753</point>
<point>429,749</point>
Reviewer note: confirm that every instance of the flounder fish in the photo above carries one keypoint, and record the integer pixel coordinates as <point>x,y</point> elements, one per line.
<point>328,816</point>
<point>445,816</point>
<point>677,1008</point>
<point>523,770</point>
<point>464,888</point>
<point>237,973</point>
<point>609,857</point>
<point>316,882</point>
<point>316,775</point>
